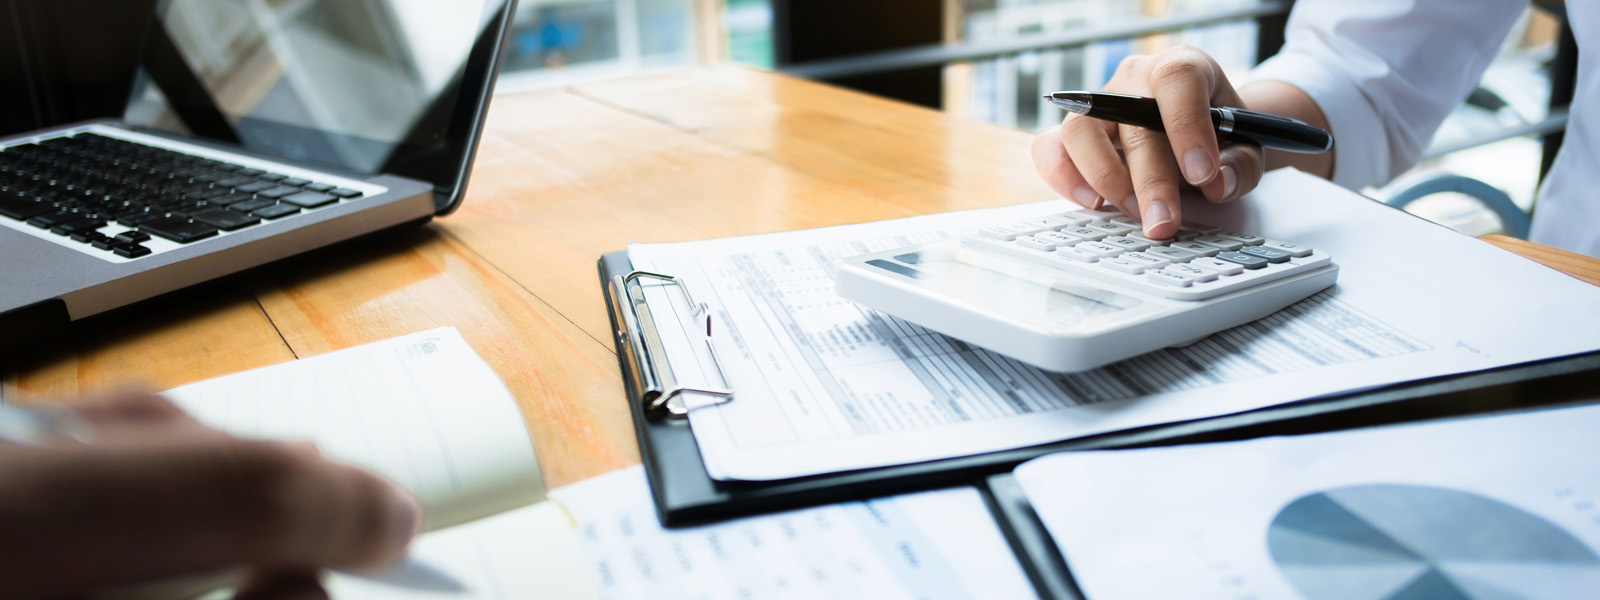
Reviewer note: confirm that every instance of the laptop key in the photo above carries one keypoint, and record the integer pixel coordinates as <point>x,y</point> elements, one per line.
<point>179,229</point>
<point>74,226</point>
<point>135,219</point>
<point>309,199</point>
<point>252,205</point>
<point>231,199</point>
<point>134,236</point>
<point>273,177</point>
<point>278,192</point>
<point>86,235</point>
<point>319,187</point>
<point>227,220</point>
<point>52,219</point>
<point>23,209</point>
<point>130,250</point>
<point>345,193</point>
<point>276,211</point>
<point>104,242</point>
<point>295,182</point>
<point>259,186</point>
<point>235,181</point>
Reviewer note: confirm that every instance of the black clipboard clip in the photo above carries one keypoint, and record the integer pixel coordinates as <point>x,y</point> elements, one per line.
<point>650,369</point>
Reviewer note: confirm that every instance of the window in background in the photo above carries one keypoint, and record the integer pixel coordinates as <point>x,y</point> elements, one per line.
<point>749,29</point>
<point>1008,90</point>
<point>1514,91</point>
<point>555,42</point>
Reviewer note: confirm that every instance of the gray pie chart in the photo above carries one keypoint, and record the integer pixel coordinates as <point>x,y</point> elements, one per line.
<point>1407,542</point>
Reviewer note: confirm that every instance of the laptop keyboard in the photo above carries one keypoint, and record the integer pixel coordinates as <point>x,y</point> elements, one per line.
<point>114,195</point>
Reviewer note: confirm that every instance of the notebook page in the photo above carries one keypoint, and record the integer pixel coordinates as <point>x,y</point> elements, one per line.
<point>422,410</point>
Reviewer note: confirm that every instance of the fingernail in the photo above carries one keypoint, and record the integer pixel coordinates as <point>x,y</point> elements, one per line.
<point>1156,214</point>
<point>1197,167</point>
<point>1230,182</point>
<point>1085,196</point>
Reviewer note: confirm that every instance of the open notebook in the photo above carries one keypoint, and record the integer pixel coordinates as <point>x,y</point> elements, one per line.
<point>424,411</point>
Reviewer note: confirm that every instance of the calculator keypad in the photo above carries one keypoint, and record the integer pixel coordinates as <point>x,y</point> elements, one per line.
<point>1200,262</point>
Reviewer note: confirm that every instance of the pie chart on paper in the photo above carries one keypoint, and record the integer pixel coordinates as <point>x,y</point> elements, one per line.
<point>1407,542</point>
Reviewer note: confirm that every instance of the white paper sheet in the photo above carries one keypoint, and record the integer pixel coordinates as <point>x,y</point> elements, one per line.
<point>825,385</point>
<point>1491,507</point>
<point>422,410</point>
<point>528,553</point>
<point>931,545</point>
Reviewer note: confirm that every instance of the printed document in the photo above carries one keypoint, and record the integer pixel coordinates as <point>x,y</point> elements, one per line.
<point>930,545</point>
<point>823,385</point>
<point>1503,506</point>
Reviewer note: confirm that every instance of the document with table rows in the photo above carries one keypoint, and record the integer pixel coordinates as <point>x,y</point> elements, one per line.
<point>823,384</point>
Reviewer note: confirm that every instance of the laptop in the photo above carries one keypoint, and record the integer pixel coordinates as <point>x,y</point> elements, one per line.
<point>253,131</point>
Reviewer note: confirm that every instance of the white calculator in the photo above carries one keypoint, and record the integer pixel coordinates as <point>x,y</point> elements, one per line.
<point>1077,290</point>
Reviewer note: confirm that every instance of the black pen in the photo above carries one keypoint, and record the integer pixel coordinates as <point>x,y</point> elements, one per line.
<point>1236,124</point>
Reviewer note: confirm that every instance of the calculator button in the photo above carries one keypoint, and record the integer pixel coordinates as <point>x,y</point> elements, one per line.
<point>1023,228</point>
<point>1034,242</point>
<point>1222,267</point>
<point>1129,244</point>
<point>1085,233</point>
<point>1049,223</point>
<point>1243,260</point>
<point>1097,215</point>
<point>1075,254</point>
<point>1221,243</point>
<point>1295,250</point>
<point>1198,274</point>
<point>1125,266</point>
<point>1168,278</point>
<point>1149,261</point>
<point>1196,229</point>
<point>1129,221</point>
<point>1243,238</point>
<point>1072,219</point>
<point>1170,253</point>
<point>1101,249</point>
<point>1271,255</point>
<point>1058,238</point>
<point>1196,248</point>
<point>1110,228</point>
<point>998,233</point>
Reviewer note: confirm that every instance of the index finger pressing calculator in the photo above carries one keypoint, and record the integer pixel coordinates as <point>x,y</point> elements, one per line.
<point>1076,290</point>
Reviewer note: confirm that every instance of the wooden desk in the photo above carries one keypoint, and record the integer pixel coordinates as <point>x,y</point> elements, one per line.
<point>563,176</point>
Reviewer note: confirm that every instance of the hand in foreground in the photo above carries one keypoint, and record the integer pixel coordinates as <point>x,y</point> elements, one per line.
<point>1141,171</point>
<point>156,495</point>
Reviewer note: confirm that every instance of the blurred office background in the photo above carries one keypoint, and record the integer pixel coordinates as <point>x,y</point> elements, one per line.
<point>990,60</point>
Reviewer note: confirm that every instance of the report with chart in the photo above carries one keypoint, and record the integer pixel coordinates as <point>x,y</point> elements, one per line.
<point>1486,508</point>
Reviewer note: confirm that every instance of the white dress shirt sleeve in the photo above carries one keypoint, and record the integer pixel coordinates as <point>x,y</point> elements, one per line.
<point>1387,72</point>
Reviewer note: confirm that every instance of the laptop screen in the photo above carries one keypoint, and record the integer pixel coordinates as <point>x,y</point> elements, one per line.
<point>372,86</point>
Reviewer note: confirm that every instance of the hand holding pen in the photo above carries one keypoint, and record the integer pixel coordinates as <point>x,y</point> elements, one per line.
<point>1172,137</point>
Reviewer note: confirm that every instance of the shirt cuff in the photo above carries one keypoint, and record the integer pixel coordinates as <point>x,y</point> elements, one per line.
<point>1361,148</point>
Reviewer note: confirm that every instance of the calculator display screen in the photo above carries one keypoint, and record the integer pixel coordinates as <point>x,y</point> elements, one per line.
<point>1009,289</point>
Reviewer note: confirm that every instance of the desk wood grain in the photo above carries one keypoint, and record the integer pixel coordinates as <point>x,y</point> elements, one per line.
<point>561,177</point>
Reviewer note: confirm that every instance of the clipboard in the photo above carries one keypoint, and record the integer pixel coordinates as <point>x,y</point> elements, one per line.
<point>685,494</point>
